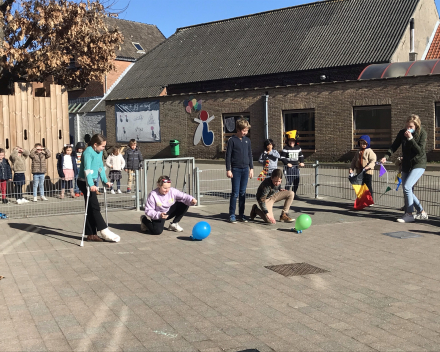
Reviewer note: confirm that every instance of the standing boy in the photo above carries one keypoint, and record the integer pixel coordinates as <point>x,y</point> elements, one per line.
<point>5,174</point>
<point>39,154</point>
<point>365,159</point>
<point>292,157</point>
<point>269,193</point>
<point>133,161</point>
<point>239,167</point>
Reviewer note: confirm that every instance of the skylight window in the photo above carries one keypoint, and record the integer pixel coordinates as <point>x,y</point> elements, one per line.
<point>138,47</point>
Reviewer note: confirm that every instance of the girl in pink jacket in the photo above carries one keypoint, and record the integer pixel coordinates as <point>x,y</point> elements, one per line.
<point>165,202</point>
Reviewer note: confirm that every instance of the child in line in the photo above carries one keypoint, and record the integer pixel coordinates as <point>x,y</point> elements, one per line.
<point>269,192</point>
<point>365,159</point>
<point>5,174</point>
<point>239,167</point>
<point>116,163</point>
<point>39,154</point>
<point>18,159</point>
<point>133,161</point>
<point>67,169</point>
<point>165,202</point>
<point>269,154</point>
<point>79,149</point>
<point>292,157</point>
<point>91,166</point>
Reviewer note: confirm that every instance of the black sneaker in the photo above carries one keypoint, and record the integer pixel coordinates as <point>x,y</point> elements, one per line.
<point>5,201</point>
<point>242,219</point>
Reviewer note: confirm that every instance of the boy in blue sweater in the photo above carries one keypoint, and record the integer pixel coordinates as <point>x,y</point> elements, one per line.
<point>239,167</point>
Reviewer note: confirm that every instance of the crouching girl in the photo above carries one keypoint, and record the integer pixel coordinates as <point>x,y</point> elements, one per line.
<point>165,202</point>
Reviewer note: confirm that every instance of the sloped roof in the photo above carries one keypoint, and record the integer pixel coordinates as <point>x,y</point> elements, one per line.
<point>434,49</point>
<point>147,35</point>
<point>88,107</point>
<point>324,34</point>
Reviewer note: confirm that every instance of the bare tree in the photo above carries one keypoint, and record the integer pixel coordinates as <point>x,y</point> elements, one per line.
<point>43,37</point>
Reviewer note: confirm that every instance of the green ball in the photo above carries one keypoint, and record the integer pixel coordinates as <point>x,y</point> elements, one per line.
<point>303,222</point>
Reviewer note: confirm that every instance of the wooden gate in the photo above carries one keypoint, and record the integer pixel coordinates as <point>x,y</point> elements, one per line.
<point>26,120</point>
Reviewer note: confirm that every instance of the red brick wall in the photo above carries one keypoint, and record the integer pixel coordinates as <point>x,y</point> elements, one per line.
<point>333,104</point>
<point>114,75</point>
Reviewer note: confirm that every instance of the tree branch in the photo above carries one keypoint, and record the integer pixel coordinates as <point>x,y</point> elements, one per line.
<point>4,5</point>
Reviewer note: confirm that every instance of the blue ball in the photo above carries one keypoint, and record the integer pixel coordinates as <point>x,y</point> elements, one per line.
<point>201,230</point>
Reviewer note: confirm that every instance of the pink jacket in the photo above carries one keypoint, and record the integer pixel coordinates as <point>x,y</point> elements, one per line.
<point>158,203</point>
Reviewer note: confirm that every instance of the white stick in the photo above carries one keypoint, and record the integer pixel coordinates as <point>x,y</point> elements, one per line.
<point>85,216</point>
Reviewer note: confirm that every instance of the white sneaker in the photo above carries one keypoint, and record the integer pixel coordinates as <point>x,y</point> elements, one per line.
<point>24,200</point>
<point>35,199</point>
<point>175,227</point>
<point>406,218</point>
<point>19,201</point>
<point>144,227</point>
<point>43,198</point>
<point>112,191</point>
<point>119,191</point>
<point>421,216</point>
<point>109,236</point>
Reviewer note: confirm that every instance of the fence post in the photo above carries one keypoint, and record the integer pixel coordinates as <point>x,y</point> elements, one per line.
<point>197,185</point>
<point>137,190</point>
<point>316,166</point>
<point>145,190</point>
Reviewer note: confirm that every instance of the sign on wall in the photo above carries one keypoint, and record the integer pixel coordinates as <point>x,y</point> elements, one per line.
<point>138,121</point>
<point>202,133</point>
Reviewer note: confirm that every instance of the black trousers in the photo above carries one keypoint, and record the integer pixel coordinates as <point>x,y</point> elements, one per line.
<point>368,180</point>
<point>19,181</point>
<point>94,221</point>
<point>292,178</point>
<point>177,211</point>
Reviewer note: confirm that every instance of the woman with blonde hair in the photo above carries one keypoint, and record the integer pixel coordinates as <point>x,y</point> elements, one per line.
<point>413,141</point>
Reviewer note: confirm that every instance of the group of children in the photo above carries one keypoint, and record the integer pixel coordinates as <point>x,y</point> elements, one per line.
<point>68,165</point>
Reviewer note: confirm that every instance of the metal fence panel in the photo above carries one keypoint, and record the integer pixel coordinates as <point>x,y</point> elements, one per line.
<point>55,205</point>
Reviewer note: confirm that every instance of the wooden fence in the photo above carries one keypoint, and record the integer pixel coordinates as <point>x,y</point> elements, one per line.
<point>26,120</point>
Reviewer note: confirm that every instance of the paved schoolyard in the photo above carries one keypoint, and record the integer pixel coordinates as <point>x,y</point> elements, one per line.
<point>165,293</point>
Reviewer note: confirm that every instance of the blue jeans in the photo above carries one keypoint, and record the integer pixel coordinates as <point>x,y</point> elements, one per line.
<point>39,180</point>
<point>239,183</point>
<point>75,185</point>
<point>409,179</point>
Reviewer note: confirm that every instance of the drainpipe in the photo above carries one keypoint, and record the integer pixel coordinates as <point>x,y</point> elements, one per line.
<point>266,115</point>
<point>412,53</point>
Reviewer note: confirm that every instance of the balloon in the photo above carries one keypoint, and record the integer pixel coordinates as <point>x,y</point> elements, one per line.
<point>199,106</point>
<point>194,102</point>
<point>190,104</point>
<point>201,230</point>
<point>303,222</point>
<point>188,109</point>
<point>185,103</point>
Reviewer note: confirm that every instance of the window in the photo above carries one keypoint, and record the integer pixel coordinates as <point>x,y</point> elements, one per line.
<point>304,122</point>
<point>375,121</point>
<point>229,130</point>
<point>139,47</point>
<point>437,126</point>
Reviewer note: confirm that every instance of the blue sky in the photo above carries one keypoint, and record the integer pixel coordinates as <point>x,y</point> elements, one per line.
<point>168,15</point>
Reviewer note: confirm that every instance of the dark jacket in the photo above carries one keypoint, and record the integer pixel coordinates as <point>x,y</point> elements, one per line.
<point>60,158</point>
<point>265,191</point>
<point>39,165</point>
<point>292,155</point>
<point>5,170</point>
<point>239,153</point>
<point>413,150</point>
<point>133,159</point>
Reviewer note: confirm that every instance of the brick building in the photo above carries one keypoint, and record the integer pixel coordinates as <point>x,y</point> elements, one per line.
<point>293,68</point>
<point>87,115</point>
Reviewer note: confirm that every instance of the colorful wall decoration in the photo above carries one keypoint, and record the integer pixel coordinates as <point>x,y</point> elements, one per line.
<point>202,131</point>
<point>139,121</point>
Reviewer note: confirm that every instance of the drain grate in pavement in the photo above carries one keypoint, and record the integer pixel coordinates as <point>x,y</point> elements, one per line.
<point>402,234</point>
<point>296,269</point>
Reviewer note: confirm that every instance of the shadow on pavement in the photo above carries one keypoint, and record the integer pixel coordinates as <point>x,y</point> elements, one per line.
<point>48,231</point>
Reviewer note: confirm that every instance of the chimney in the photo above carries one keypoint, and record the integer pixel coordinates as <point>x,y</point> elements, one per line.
<point>412,54</point>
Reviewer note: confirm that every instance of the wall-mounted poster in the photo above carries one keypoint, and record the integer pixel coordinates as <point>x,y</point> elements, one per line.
<point>138,120</point>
